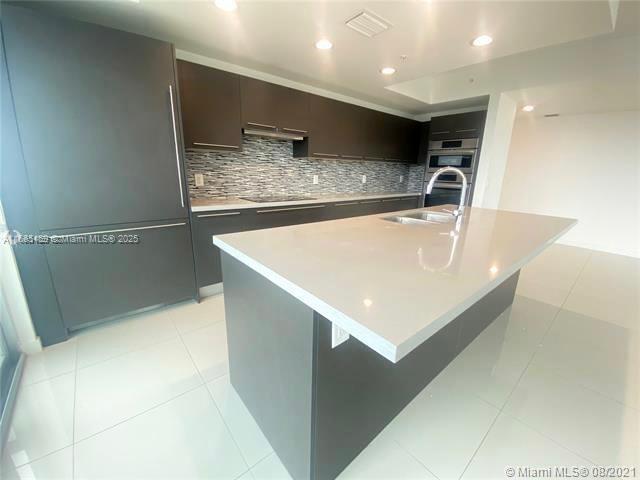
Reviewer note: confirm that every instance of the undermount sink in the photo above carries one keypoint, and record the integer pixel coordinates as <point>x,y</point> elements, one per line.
<point>422,218</point>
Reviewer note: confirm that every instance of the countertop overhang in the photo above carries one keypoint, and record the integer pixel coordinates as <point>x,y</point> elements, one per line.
<point>392,285</point>
<point>208,205</point>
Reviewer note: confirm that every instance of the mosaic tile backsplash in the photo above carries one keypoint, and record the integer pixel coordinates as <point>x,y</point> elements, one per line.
<point>266,166</point>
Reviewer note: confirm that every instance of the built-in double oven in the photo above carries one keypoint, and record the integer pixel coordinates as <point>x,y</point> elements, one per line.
<point>460,154</point>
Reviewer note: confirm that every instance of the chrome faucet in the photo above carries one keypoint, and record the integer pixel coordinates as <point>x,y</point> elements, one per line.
<point>463,193</point>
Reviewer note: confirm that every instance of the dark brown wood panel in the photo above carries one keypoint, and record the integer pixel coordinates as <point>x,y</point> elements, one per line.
<point>274,107</point>
<point>210,102</point>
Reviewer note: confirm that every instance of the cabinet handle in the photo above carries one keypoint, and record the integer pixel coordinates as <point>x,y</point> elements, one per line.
<point>98,232</point>
<point>374,158</point>
<point>263,125</point>
<point>356,157</point>
<point>289,209</point>
<point>392,199</point>
<point>345,204</point>
<point>325,154</point>
<point>372,201</point>
<point>215,145</point>
<point>294,130</point>
<point>175,141</point>
<point>441,132</point>
<point>466,130</point>
<point>225,214</point>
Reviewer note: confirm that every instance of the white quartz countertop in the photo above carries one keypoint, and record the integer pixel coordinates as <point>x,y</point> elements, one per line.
<point>213,204</point>
<point>394,285</point>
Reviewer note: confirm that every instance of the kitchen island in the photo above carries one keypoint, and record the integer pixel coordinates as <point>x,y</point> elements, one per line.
<point>334,327</point>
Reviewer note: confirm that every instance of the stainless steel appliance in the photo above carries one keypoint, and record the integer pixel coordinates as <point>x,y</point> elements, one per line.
<point>462,155</point>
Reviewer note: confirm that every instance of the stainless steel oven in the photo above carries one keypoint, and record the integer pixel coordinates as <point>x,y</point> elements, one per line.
<point>452,153</point>
<point>446,190</point>
<point>461,154</point>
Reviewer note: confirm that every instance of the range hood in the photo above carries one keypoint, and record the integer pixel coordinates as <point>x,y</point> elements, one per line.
<point>272,134</point>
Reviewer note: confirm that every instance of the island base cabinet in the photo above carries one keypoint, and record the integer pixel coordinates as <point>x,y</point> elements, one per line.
<point>319,406</point>
<point>104,274</point>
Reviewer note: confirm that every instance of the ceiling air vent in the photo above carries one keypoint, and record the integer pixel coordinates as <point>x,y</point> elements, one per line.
<point>368,24</point>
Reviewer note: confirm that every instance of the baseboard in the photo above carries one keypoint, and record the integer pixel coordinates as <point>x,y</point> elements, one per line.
<point>211,290</point>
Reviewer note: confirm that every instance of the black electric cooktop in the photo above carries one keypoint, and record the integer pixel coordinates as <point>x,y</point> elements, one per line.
<point>277,198</point>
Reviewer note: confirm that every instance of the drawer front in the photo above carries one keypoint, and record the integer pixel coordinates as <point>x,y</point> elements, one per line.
<point>398,204</point>
<point>208,267</point>
<point>283,216</point>
<point>95,281</point>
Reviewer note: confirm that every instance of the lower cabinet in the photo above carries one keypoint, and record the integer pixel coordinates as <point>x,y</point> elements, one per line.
<point>397,204</point>
<point>282,216</point>
<point>208,267</point>
<point>102,274</point>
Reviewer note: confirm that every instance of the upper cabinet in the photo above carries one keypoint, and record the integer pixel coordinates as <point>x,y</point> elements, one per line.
<point>210,103</point>
<point>343,130</point>
<point>217,106</point>
<point>274,108</point>
<point>461,125</point>
<point>98,117</point>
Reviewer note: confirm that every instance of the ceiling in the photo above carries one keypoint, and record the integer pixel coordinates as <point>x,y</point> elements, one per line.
<point>278,37</point>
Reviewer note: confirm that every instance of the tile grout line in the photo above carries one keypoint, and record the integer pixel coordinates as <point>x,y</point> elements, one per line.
<point>544,435</point>
<point>411,455</point>
<point>137,414</point>
<point>213,400</point>
<point>524,371</point>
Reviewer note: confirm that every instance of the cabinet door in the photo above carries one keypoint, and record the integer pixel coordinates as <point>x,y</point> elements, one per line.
<point>376,136</point>
<point>347,209</point>
<point>210,104</point>
<point>469,125</point>
<point>398,204</point>
<point>326,135</point>
<point>370,207</point>
<point>442,127</point>
<point>95,281</point>
<point>273,107</point>
<point>208,267</point>
<point>271,217</point>
<point>96,121</point>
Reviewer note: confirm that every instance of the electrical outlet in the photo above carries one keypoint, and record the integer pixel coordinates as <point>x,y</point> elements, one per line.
<point>401,178</point>
<point>315,179</point>
<point>364,179</point>
<point>199,179</point>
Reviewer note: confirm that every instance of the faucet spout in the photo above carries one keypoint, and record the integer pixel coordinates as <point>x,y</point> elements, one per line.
<point>463,192</point>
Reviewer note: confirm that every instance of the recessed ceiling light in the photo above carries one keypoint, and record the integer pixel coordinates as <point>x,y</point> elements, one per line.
<point>323,44</point>
<point>387,70</point>
<point>528,108</point>
<point>226,5</point>
<point>482,41</point>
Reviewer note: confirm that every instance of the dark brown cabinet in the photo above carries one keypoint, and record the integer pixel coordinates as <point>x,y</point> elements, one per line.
<point>274,108</point>
<point>342,130</point>
<point>207,224</point>
<point>100,154</point>
<point>210,103</point>
<point>146,266</point>
<point>461,125</point>
<point>94,107</point>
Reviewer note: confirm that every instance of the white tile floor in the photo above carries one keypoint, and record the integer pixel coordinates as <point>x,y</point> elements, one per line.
<point>554,381</point>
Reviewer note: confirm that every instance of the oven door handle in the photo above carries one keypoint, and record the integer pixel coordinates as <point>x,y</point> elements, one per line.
<point>452,151</point>
<point>450,186</point>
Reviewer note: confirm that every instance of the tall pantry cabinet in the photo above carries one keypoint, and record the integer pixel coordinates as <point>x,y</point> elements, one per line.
<point>101,149</point>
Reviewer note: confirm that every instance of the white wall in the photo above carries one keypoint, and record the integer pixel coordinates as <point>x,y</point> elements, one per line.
<point>581,166</point>
<point>495,150</point>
